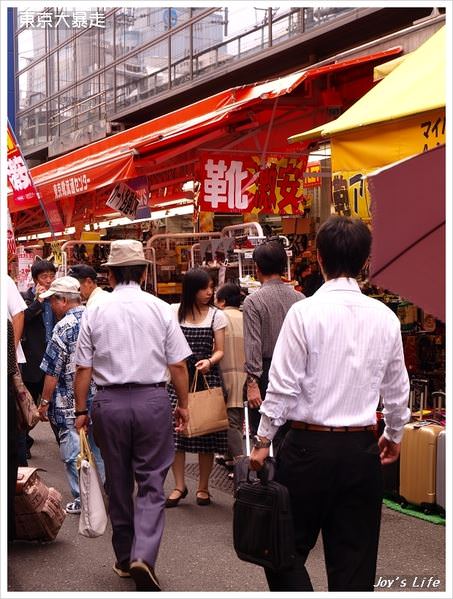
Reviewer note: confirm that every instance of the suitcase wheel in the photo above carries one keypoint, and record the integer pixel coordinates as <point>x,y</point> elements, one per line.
<point>427,508</point>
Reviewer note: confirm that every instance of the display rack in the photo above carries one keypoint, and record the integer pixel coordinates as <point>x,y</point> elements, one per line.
<point>170,255</point>
<point>67,257</point>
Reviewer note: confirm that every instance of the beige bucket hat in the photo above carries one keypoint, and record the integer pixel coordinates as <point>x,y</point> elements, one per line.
<point>126,252</point>
<point>62,285</point>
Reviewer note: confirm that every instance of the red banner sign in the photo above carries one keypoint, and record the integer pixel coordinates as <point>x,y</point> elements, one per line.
<point>17,172</point>
<point>313,175</point>
<point>24,191</point>
<point>239,183</point>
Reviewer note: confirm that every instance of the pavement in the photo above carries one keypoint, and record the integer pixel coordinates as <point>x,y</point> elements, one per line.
<point>197,552</point>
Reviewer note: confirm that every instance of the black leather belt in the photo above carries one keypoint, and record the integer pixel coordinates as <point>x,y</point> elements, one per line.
<point>130,386</point>
<point>332,429</point>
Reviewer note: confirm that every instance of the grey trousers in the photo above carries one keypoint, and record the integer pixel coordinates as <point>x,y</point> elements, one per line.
<point>235,442</point>
<point>133,429</point>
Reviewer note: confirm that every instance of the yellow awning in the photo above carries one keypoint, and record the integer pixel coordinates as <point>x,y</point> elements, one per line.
<point>384,69</point>
<point>417,85</point>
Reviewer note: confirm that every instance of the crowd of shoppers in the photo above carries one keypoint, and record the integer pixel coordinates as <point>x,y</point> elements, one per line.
<point>311,370</point>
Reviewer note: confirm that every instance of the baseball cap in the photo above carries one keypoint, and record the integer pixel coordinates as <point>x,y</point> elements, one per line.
<point>62,285</point>
<point>82,271</point>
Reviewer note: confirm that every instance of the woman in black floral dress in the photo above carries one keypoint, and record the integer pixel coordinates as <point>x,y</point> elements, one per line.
<point>204,328</point>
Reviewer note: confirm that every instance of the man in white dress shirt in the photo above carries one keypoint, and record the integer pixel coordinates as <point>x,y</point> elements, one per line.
<point>337,353</point>
<point>126,343</point>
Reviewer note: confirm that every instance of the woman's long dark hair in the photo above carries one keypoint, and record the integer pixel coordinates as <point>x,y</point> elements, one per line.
<point>194,281</point>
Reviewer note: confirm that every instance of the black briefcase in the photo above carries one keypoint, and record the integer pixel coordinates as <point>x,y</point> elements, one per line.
<point>263,531</point>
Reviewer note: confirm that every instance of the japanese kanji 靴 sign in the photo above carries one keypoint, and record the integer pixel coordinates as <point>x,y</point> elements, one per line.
<point>239,183</point>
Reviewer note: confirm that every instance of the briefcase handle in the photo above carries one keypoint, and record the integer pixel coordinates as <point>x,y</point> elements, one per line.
<point>265,474</point>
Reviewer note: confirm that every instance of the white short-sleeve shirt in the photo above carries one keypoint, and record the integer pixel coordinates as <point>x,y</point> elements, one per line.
<point>220,321</point>
<point>16,304</point>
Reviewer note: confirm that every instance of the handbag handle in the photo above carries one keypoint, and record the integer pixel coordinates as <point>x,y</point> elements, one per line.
<point>195,380</point>
<point>85,451</point>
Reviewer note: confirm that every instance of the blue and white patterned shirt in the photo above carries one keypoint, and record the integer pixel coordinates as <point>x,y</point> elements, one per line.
<point>58,361</point>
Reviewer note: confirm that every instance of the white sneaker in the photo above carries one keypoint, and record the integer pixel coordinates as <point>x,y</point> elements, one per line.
<point>73,507</point>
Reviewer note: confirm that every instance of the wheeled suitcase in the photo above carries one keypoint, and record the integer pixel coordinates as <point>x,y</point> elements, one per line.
<point>418,463</point>
<point>440,470</point>
<point>39,513</point>
<point>263,531</point>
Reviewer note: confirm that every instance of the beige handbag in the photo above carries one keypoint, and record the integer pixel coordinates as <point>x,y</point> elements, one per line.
<point>27,412</point>
<point>207,410</point>
<point>93,517</point>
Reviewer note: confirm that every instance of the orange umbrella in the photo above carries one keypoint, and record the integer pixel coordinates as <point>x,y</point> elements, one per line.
<point>408,211</point>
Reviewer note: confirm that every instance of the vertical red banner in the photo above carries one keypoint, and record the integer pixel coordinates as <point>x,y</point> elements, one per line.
<point>24,190</point>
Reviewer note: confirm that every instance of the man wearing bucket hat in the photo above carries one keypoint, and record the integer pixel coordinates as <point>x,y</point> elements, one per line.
<point>126,344</point>
<point>57,399</point>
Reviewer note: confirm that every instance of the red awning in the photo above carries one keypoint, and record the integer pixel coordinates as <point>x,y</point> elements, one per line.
<point>127,154</point>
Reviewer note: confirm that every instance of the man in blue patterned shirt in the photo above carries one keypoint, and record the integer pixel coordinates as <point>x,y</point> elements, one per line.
<point>57,403</point>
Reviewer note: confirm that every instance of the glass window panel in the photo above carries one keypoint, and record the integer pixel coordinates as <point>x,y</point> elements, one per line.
<point>52,38</point>
<point>66,65</point>
<point>108,84</point>
<point>32,127</point>
<point>31,44</point>
<point>88,104</point>
<point>127,76</point>
<point>53,73</point>
<point>107,45</point>
<point>87,53</point>
<point>32,85</point>
<point>153,70</point>
<point>23,87</point>
<point>208,32</point>
<point>127,35</point>
<point>54,118</point>
<point>67,112</point>
<point>63,21</point>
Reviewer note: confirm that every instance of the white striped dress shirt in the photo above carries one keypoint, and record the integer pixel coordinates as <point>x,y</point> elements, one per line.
<point>130,337</point>
<point>337,352</point>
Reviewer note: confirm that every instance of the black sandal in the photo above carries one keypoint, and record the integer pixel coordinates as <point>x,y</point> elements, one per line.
<point>203,500</point>
<point>174,502</point>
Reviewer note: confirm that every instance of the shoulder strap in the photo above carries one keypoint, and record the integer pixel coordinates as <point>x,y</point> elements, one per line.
<point>213,316</point>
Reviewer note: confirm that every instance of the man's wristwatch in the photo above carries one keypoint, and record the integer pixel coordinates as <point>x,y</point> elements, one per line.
<point>251,379</point>
<point>44,402</point>
<point>260,444</point>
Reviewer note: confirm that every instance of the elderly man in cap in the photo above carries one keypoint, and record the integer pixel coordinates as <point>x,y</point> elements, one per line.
<point>57,399</point>
<point>89,290</point>
<point>126,345</point>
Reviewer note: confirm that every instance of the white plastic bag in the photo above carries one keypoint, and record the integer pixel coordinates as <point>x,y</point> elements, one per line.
<point>93,517</point>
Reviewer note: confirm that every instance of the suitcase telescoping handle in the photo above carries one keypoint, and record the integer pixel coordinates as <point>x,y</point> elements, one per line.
<point>247,432</point>
<point>438,398</point>
<point>423,383</point>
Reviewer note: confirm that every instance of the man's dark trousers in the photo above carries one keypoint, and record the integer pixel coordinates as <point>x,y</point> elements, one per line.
<point>335,484</point>
<point>133,429</point>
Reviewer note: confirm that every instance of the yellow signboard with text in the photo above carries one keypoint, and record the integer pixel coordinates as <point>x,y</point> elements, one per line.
<point>361,151</point>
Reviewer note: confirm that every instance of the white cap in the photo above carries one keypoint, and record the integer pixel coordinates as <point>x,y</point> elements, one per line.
<point>62,285</point>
